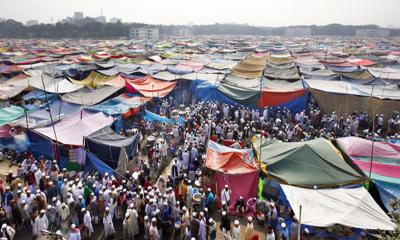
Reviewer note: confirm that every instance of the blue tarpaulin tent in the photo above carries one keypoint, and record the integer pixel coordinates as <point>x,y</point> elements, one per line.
<point>94,164</point>
<point>149,116</point>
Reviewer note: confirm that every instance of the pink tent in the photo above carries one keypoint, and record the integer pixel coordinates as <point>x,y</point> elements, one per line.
<point>235,168</point>
<point>72,130</point>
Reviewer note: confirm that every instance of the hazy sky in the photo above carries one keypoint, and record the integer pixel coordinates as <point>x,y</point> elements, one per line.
<point>255,12</point>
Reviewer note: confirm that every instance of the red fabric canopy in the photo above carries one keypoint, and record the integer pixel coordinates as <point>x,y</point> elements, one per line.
<point>271,98</point>
<point>149,87</point>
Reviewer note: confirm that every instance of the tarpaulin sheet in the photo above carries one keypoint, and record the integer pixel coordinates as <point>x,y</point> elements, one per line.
<point>243,82</point>
<point>44,82</point>
<point>86,96</point>
<point>251,67</point>
<point>388,192</point>
<point>110,107</point>
<point>296,105</point>
<point>190,66</point>
<point>242,184</point>
<point>40,145</point>
<point>149,87</point>
<point>221,64</point>
<point>289,74</point>
<point>41,118</point>
<point>11,113</point>
<point>205,91</point>
<point>9,91</point>
<point>271,98</point>
<point>314,162</point>
<point>149,116</point>
<point>107,144</point>
<point>352,207</point>
<point>94,164</point>
<point>9,68</point>
<point>72,130</point>
<point>385,165</point>
<point>241,95</point>
<point>229,160</point>
<point>360,147</point>
<point>345,98</point>
<point>18,143</point>
<point>38,94</point>
<point>93,80</point>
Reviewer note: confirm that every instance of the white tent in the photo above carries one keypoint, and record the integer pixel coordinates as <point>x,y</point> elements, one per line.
<point>352,207</point>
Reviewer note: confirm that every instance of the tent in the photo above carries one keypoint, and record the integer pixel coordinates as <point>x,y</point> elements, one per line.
<point>345,98</point>
<point>41,118</point>
<point>39,80</point>
<point>86,96</point>
<point>94,164</point>
<point>352,207</point>
<point>234,167</point>
<point>73,129</point>
<point>241,95</point>
<point>272,97</point>
<point>385,165</point>
<point>93,80</point>
<point>149,87</point>
<point>312,163</point>
<point>149,116</point>
<point>106,144</point>
<point>11,113</point>
<point>251,67</point>
<point>9,91</point>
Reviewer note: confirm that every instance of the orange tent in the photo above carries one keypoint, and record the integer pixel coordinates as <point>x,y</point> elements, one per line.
<point>149,87</point>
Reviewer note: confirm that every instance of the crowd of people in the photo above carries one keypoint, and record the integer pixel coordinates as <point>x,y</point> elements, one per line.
<point>154,204</point>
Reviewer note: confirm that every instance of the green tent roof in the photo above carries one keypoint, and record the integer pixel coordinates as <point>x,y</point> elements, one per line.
<point>9,114</point>
<point>316,162</point>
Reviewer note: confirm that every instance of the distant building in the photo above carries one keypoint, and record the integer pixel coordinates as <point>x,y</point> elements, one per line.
<point>101,19</point>
<point>32,23</point>
<point>182,33</point>
<point>115,20</point>
<point>298,32</point>
<point>3,19</point>
<point>372,32</point>
<point>144,33</point>
<point>78,15</point>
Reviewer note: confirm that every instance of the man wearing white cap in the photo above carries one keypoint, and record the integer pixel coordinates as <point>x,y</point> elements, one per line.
<point>64,214</point>
<point>202,227</point>
<point>7,232</point>
<point>133,215</point>
<point>126,227</point>
<point>41,224</point>
<point>108,224</point>
<point>226,195</point>
<point>249,232</point>
<point>213,229</point>
<point>236,230</point>
<point>87,220</point>
<point>75,233</point>
<point>284,232</point>
<point>225,226</point>
<point>153,230</point>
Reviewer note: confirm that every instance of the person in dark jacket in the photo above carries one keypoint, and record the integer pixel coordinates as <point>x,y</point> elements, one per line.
<point>225,225</point>
<point>194,225</point>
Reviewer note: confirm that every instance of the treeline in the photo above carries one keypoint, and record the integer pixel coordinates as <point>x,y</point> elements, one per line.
<point>92,29</point>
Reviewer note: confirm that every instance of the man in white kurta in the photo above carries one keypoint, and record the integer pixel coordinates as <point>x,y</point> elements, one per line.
<point>87,220</point>
<point>108,224</point>
<point>41,224</point>
<point>133,215</point>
